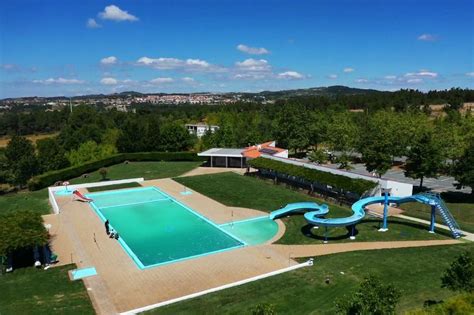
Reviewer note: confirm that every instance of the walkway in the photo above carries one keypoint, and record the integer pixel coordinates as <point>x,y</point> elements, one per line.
<point>295,251</point>
<point>467,235</point>
<point>213,170</point>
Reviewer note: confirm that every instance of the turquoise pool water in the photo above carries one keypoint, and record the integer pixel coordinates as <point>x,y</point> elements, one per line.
<point>253,231</point>
<point>156,229</point>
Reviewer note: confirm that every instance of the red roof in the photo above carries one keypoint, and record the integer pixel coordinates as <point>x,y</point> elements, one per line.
<point>256,150</point>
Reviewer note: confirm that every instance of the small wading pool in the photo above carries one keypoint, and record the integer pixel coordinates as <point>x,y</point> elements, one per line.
<point>156,229</point>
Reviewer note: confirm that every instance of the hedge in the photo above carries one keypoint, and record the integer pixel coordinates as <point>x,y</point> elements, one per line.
<point>338,182</point>
<point>49,178</point>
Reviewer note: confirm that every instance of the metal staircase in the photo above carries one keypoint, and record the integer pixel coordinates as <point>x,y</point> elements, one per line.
<point>435,199</point>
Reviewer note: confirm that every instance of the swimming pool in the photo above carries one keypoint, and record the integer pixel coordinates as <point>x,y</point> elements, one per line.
<point>156,229</point>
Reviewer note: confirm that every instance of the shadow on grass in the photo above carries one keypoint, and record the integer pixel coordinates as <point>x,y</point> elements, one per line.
<point>457,197</point>
<point>374,224</point>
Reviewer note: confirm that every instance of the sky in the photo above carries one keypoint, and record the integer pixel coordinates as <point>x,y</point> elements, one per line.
<point>65,47</point>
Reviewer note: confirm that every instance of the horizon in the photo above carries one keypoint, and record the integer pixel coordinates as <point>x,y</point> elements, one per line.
<point>54,49</point>
<point>224,92</point>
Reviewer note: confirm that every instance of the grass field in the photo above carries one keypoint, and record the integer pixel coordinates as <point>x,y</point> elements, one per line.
<point>4,140</point>
<point>415,271</point>
<point>244,191</point>
<point>147,170</point>
<point>112,187</point>
<point>38,200</point>
<point>35,291</point>
<point>463,212</point>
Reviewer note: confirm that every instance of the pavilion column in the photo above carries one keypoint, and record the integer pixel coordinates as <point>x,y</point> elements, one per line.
<point>226,161</point>
<point>211,160</point>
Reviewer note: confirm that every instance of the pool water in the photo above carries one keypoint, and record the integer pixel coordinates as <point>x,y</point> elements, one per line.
<point>253,231</point>
<point>155,229</point>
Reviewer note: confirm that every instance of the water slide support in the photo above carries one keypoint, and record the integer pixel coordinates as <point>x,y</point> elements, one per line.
<point>433,219</point>
<point>385,212</point>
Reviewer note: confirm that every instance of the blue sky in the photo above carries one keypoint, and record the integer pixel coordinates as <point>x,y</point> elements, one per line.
<point>91,46</point>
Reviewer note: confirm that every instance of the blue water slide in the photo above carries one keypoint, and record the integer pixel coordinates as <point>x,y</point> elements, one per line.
<point>316,217</point>
<point>321,210</point>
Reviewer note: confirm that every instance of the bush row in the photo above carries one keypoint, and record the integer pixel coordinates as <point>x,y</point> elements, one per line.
<point>49,178</point>
<point>339,182</point>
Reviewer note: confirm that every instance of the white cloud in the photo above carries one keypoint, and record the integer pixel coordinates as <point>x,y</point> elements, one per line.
<point>109,60</point>
<point>59,81</point>
<point>416,80</point>
<point>114,13</point>
<point>253,65</point>
<point>362,81</point>
<point>332,76</point>
<point>290,75</point>
<point>176,64</point>
<point>252,50</point>
<point>347,70</point>
<point>91,23</point>
<point>249,76</point>
<point>470,74</point>
<point>188,80</point>
<point>421,73</point>
<point>158,81</point>
<point>427,37</point>
<point>390,77</point>
<point>108,81</point>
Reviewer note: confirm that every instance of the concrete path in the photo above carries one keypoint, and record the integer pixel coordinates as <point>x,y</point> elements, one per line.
<point>213,170</point>
<point>295,251</point>
<point>467,235</point>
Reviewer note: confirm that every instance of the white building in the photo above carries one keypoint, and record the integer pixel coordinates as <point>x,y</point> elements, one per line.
<point>200,129</point>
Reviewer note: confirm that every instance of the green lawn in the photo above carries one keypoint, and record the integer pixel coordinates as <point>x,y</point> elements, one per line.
<point>462,212</point>
<point>147,170</point>
<point>415,271</point>
<point>35,291</point>
<point>38,200</point>
<point>112,187</point>
<point>245,191</point>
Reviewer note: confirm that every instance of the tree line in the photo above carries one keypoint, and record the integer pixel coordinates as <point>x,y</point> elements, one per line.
<point>305,125</point>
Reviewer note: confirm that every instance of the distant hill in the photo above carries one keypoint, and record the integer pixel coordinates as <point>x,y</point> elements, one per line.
<point>317,91</point>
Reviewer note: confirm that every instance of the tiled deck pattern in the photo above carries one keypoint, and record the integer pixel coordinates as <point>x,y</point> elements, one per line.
<point>79,236</point>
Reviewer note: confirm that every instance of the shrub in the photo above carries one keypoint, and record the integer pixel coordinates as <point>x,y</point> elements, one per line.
<point>21,229</point>
<point>103,173</point>
<point>460,275</point>
<point>372,297</point>
<point>339,182</point>
<point>49,178</point>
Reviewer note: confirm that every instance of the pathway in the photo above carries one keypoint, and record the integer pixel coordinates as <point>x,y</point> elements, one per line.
<point>467,235</point>
<point>295,251</point>
<point>213,170</point>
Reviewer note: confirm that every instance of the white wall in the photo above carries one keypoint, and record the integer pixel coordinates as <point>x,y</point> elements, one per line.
<point>51,190</point>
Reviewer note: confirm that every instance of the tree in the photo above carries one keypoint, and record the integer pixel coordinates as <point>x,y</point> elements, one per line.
<point>342,133</point>
<point>51,156</point>
<point>380,142</point>
<point>90,151</point>
<point>463,169</point>
<point>291,127</point>
<point>460,275</point>
<point>424,159</point>
<point>175,137</point>
<point>132,138</point>
<point>318,156</point>
<point>21,229</point>
<point>372,297</point>
<point>21,160</point>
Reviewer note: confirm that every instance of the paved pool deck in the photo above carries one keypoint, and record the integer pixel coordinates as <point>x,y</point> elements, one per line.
<point>78,236</point>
